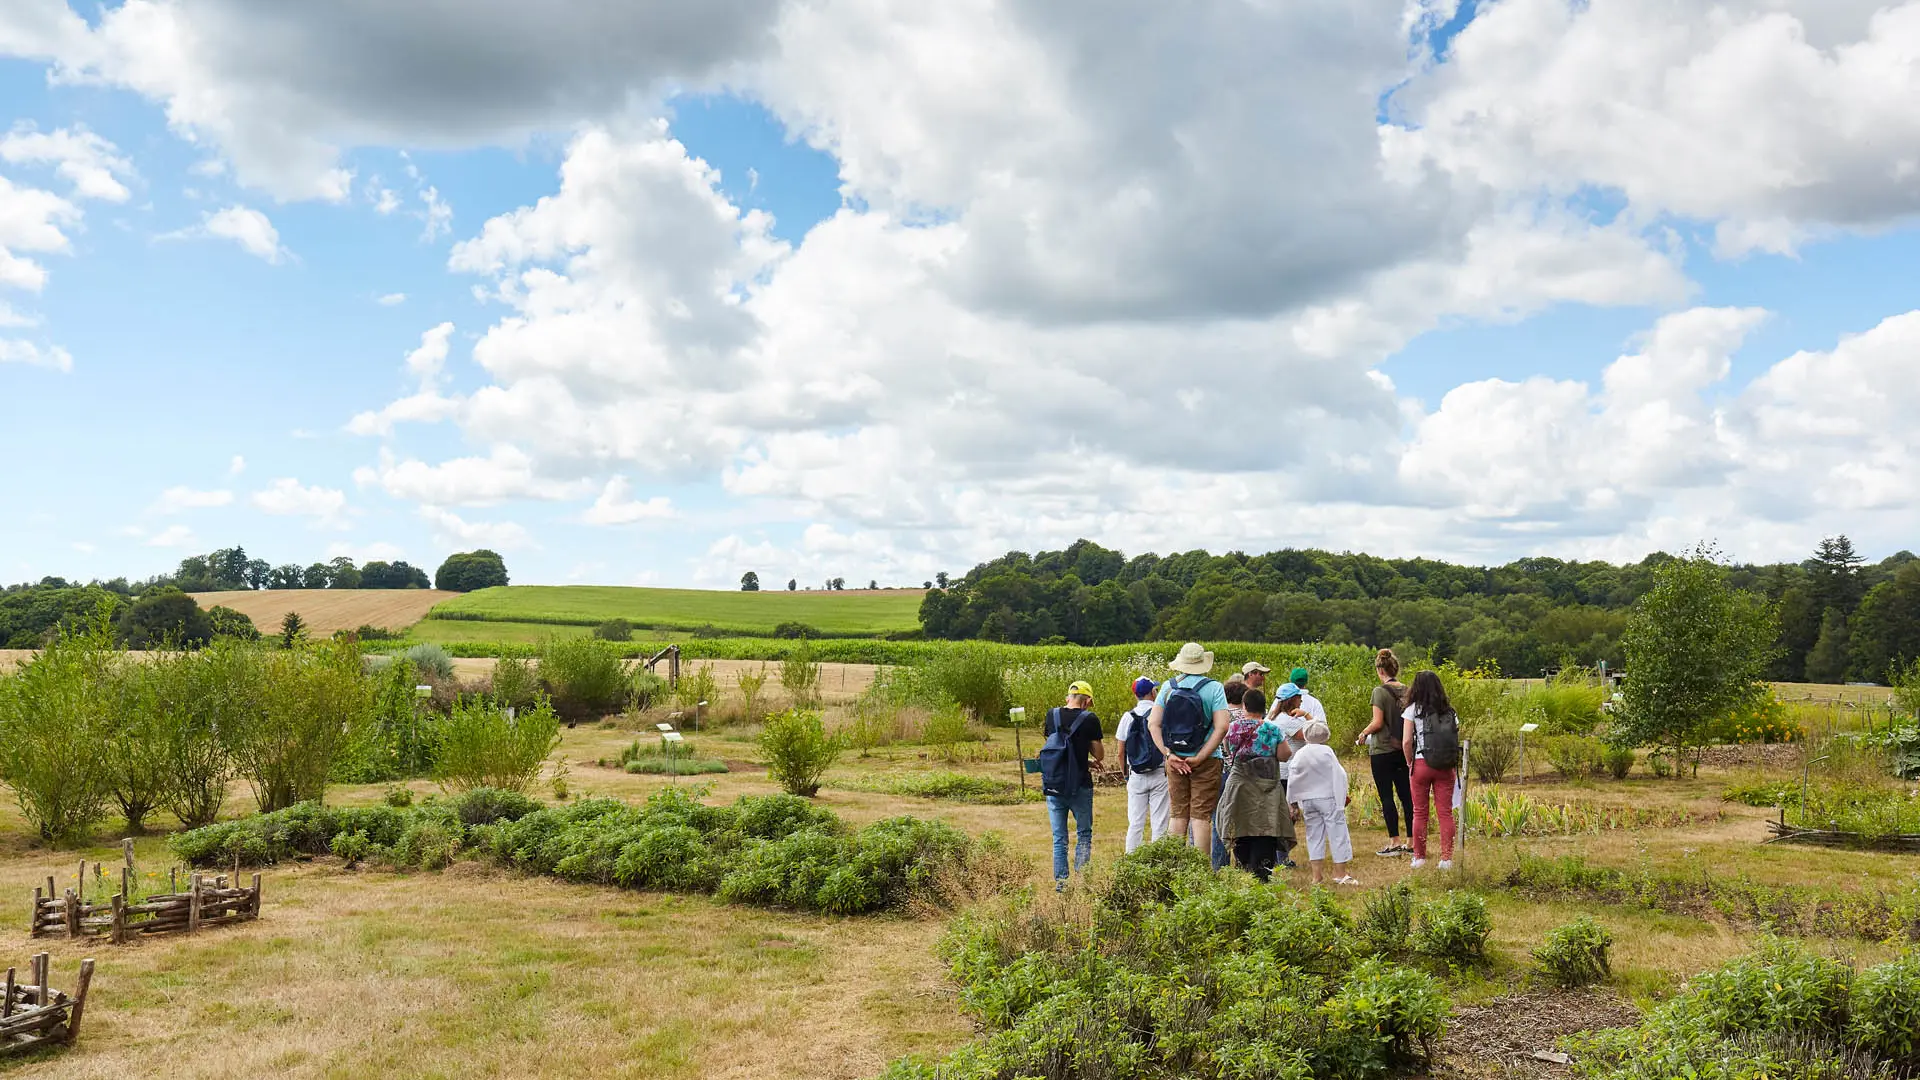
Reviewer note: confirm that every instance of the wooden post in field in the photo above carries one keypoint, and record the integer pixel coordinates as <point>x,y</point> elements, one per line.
<point>253,905</point>
<point>6,1003</point>
<point>193,904</point>
<point>126,849</point>
<point>173,879</point>
<point>33,920</point>
<point>79,999</point>
<point>120,919</point>
<point>73,914</point>
<point>42,993</point>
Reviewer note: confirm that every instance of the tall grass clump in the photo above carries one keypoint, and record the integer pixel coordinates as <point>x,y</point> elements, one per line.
<point>482,746</point>
<point>752,685</point>
<point>974,677</point>
<point>55,715</point>
<point>799,750</point>
<point>800,676</point>
<point>585,678</point>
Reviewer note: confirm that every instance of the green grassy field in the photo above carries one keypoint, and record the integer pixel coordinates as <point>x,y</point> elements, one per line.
<point>853,613</point>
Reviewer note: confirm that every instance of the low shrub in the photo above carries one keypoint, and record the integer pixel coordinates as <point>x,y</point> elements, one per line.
<point>430,659</point>
<point>515,684</point>
<point>661,765</point>
<point>1493,752</point>
<point>310,829</point>
<point>956,786</point>
<point>1386,919</point>
<point>484,745</point>
<point>974,676</point>
<point>944,731</point>
<point>1765,720</point>
<point>799,750</point>
<point>585,678</point>
<point>1575,954</point>
<point>800,676</point>
<point>1618,760</point>
<point>1149,875</point>
<point>1885,1020</point>
<point>614,630</point>
<point>1454,928</point>
<point>351,847</point>
<point>398,796</point>
<point>646,689</point>
<point>1573,756</point>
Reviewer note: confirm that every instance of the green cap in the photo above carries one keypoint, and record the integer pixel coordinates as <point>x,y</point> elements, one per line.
<point>1298,677</point>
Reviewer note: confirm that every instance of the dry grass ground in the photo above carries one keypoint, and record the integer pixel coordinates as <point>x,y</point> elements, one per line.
<point>478,972</point>
<point>327,610</point>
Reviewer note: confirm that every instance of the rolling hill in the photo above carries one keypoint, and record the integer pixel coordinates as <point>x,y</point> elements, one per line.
<point>852,613</point>
<point>327,610</point>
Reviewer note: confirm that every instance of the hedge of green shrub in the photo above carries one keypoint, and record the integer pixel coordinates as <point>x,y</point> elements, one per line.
<point>1575,954</point>
<point>1177,971</point>
<point>1780,1012</point>
<point>775,850</point>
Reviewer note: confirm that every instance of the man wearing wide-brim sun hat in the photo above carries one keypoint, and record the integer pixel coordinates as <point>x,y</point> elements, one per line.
<point>1188,721</point>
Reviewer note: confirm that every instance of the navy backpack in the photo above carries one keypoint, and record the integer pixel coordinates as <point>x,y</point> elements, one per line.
<point>1059,761</point>
<point>1142,755</point>
<point>1185,724</point>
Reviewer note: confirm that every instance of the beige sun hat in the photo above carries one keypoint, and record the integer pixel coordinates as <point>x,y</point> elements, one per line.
<point>1193,660</point>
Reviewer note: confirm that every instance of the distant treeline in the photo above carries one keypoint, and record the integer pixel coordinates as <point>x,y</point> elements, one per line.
<point>1840,619</point>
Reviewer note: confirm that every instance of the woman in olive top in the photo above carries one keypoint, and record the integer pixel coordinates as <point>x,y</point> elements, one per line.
<point>1390,775</point>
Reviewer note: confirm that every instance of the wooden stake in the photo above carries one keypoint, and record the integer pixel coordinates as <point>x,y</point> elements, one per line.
<point>73,914</point>
<point>43,995</point>
<point>6,1004</point>
<point>120,919</point>
<point>126,882</point>
<point>126,848</point>
<point>33,921</point>
<point>253,905</point>
<point>173,882</point>
<point>79,999</point>
<point>193,906</point>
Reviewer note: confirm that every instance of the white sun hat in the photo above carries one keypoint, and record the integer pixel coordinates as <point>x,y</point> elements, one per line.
<point>1193,660</point>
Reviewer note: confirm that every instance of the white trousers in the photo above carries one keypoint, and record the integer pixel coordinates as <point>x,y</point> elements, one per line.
<point>1147,798</point>
<point>1326,822</point>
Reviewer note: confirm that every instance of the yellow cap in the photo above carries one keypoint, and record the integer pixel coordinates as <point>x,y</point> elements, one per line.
<point>1080,688</point>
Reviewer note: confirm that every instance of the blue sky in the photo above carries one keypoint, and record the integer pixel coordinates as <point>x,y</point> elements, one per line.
<point>829,290</point>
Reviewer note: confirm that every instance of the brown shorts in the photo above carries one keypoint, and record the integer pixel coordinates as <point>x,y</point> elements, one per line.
<point>1195,794</point>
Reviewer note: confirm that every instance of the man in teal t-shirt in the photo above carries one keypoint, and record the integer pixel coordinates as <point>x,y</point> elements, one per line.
<point>1193,780</point>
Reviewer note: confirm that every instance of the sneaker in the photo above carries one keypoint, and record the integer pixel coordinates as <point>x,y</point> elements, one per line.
<point>1391,851</point>
<point>1286,864</point>
<point>1060,886</point>
<point>1404,849</point>
<point>1446,864</point>
<point>1417,863</point>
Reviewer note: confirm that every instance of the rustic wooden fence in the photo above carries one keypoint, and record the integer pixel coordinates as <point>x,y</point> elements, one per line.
<point>35,1014</point>
<point>204,903</point>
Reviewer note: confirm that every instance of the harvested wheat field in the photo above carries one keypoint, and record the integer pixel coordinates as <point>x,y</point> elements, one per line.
<point>327,610</point>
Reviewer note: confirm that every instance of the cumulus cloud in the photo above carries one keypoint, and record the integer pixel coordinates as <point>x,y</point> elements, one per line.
<point>392,299</point>
<point>287,497</point>
<point>281,90</point>
<point>505,474</point>
<point>237,466</point>
<point>247,227</point>
<point>32,354</point>
<point>176,499</point>
<point>427,404</point>
<point>90,163</point>
<point>450,529</point>
<point>617,506</point>
<point>31,220</point>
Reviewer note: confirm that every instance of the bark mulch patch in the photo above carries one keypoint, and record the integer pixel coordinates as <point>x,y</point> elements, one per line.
<point>1495,1039</point>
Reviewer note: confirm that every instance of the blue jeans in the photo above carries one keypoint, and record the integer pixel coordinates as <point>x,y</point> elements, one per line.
<point>1080,803</point>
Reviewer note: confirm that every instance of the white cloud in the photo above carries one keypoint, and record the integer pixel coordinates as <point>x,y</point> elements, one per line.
<point>247,227</point>
<point>505,474</point>
<point>427,366</point>
<point>617,506</point>
<point>287,497</point>
<point>451,529</point>
<point>11,319</point>
<point>83,547</point>
<point>176,499</point>
<point>31,220</point>
<point>90,163</point>
<point>20,351</point>
<point>437,215</point>
<point>386,202</point>
<point>237,466</point>
<point>173,536</point>
<point>392,299</point>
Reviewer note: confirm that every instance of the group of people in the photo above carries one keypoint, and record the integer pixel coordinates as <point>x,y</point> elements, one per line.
<point>1241,775</point>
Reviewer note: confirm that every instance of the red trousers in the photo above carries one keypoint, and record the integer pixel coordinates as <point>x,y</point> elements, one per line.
<point>1439,784</point>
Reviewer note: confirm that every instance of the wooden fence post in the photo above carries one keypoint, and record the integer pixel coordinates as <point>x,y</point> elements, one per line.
<point>120,919</point>
<point>42,994</point>
<point>73,914</point>
<point>6,1004</point>
<point>193,904</point>
<point>79,999</point>
<point>253,904</point>
<point>33,921</point>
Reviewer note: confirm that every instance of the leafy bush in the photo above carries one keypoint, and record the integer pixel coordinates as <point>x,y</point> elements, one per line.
<point>1575,954</point>
<point>315,704</point>
<point>751,684</point>
<point>228,623</point>
<point>1573,756</point>
<point>614,630</point>
<point>1454,928</point>
<point>351,846</point>
<point>1493,752</point>
<point>481,745</point>
<point>974,677</point>
<point>944,731</point>
<point>797,630</point>
<point>799,750</point>
<point>55,714</point>
<point>646,689</point>
<point>309,828</point>
<point>957,786</point>
<point>1148,876</point>
<point>1885,1019</point>
<point>800,676</point>
<point>586,678</point>
<point>696,686</point>
<point>1569,704</point>
<point>1618,760</point>
<point>515,684</point>
<point>397,796</point>
<point>658,765</point>
<point>430,659</point>
<point>1763,719</point>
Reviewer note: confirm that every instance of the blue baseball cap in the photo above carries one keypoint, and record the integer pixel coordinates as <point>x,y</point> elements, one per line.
<point>1143,686</point>
<point>1287,690</point>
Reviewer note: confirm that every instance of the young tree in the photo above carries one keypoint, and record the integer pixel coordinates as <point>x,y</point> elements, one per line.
<point>1886,631</point>
<point>749,582</point>
<point>287,576</point>
<point>55,715</point>
<point>1835,573</point>
<point>341,574</point>
<point>793,584</point>
<point>469,570</point>
<point>1832,652</point>
<point>1696,649</point>
<point>293,630</point>
<point>314,703</point>
<point>166,617</point>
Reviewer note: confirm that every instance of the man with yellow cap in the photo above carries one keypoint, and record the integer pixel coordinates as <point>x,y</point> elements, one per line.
<point>1073,736</point>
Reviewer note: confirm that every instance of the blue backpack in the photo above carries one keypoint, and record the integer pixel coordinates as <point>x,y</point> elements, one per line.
<point>1142,755</point>
<point>1185,724</point>
<point>1059,772</point>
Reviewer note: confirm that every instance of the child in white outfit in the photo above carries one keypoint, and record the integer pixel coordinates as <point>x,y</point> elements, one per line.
<point>1317,790</point>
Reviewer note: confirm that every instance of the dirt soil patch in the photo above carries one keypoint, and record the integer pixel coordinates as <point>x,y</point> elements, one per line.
<point>1497,1039</point>
<point>327,610</point>
<point>1749,755</point>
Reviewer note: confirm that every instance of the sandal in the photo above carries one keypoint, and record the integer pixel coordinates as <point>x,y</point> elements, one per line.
<point>1347,880</point>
